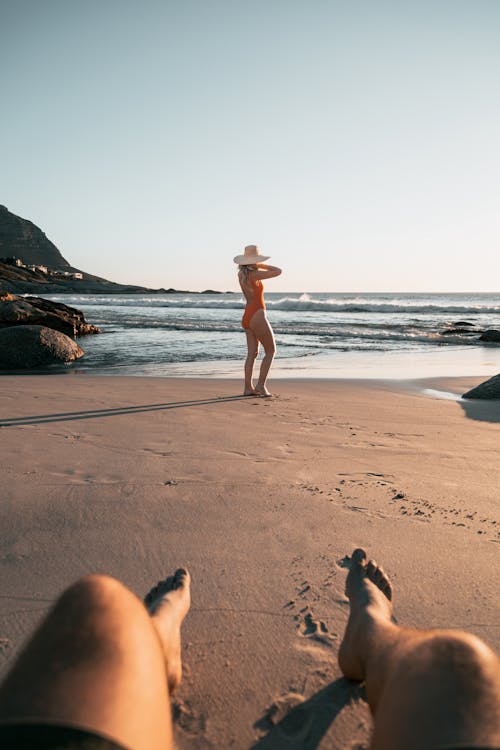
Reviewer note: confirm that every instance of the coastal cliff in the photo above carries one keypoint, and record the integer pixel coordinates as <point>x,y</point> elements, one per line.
<point>22,239</point>
<point>31,263</point>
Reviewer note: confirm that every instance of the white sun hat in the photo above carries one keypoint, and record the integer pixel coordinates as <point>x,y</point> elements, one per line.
<point>251,255</point>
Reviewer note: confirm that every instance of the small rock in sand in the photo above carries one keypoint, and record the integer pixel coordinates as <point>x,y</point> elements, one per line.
<point>23,347</point>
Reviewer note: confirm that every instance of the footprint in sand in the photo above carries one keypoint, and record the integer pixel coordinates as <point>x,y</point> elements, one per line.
<point>155,452</point>
<point>186,718</point>
<point>312,626</point>
<point>279,713</point>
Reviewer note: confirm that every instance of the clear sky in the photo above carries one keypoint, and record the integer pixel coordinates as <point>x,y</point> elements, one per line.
<point>356,142</point>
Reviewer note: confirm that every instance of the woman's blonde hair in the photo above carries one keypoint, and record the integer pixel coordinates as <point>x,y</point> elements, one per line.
<point>245,269</point>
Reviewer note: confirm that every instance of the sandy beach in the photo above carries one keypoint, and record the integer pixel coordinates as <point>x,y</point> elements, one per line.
<point>262,499</point>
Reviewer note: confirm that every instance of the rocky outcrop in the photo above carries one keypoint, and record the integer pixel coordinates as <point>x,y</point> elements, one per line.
<point>23,239</point>
<point>466,329</point>
<point>24,347</point>
<point>490,389</point>
<point>460,328</point>
<point>490,335</point>
<point>22,311</point>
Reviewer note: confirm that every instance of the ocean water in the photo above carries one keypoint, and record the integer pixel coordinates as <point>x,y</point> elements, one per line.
<point>325,335</point>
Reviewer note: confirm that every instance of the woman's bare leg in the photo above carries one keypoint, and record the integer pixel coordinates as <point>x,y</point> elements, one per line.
<point>101,662</point>
<point>426,689</point>
<point>264,333</point>
<point>253,350</point>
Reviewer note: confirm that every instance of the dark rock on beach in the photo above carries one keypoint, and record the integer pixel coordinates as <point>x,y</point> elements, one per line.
<point>490,389</point>
<point>22,311</point>
<point>490,335</point>
<point>24,347</point>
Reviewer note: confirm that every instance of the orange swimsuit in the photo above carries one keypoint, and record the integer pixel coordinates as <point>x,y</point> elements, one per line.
<point>256,303</point>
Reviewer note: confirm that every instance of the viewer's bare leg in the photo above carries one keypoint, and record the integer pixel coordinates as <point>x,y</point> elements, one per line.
<point>253,350</point>
<point>101,662</point>
<point>425,688</point>
<point>264,333</point>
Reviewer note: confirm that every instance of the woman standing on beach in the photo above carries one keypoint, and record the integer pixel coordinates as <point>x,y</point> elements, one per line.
<point>252,270</point>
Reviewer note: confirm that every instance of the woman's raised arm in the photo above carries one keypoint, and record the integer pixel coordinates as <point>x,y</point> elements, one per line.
<point>266,272</point>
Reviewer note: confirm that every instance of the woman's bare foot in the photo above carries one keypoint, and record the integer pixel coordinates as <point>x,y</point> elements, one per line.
<point>250,392</point>
<point>168,603</point>
<point>261,390</point>
<point>370,592</point>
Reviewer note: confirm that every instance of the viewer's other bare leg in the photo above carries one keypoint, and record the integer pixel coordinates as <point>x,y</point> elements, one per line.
<point>426,689</point>
<point>264,333</point>
<point>101,662</point>
<point>253,350</point>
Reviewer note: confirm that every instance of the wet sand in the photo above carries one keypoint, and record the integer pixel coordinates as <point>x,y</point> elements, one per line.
<point>261,499</point>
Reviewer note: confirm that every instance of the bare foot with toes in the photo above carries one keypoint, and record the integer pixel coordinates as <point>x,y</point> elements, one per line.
<point>168,603</point>
<point>261,390</point>
<point>370,593</point>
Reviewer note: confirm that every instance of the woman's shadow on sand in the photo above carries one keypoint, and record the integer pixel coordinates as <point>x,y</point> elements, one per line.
<point>305,725</point>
